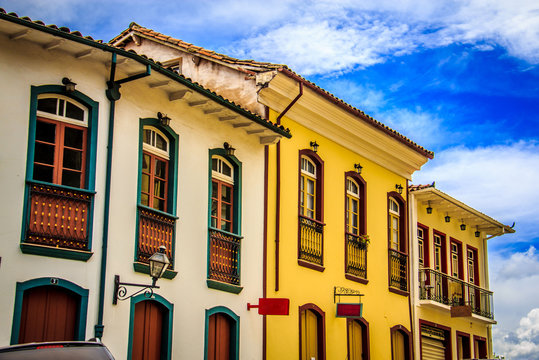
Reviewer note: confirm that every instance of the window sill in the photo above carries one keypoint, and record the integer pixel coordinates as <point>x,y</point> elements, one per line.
<point>311,265</point>
<point>62,253</point>
<point>399,292</point>
<point>356,279</point>
<point>145,269</point>
<point>218,285</point>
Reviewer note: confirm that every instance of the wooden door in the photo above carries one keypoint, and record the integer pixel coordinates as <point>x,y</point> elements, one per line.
<point>219,337</point>
<point>148,331</point>
<point>49,313</point>
<point>355,340</point>
<point>309,336</point>
<point>399,350</point>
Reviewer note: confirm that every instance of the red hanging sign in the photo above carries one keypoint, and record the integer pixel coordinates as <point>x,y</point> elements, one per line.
<point>349,310</point>
<point>271,306</point>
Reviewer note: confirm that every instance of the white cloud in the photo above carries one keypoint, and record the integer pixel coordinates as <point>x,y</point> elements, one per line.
<point>519,265</point>
<point>522,344</point>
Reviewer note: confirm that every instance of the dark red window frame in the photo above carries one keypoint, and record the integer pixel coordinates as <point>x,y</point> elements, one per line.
<point>319,211</point>
<point>403,237</point>
<point>476,263</point>
<point>443,249</point>
<point>426,248</point>
<point>151,182</point>
<point>59,147</point>
<point>460,261</point>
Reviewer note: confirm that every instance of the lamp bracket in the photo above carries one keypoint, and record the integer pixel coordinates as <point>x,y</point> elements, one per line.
<point>120,290</point>
<point>342,291</point>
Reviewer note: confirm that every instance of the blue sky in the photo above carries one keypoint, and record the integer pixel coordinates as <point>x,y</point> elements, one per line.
<point>460,78</point>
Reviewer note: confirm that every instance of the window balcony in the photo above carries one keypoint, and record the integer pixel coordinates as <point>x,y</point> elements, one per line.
<point>224,257</point>
<point>356,256</point>
<point>398,265</point>
<point>58,221</point>
<point>447,290</point>
<point>156,228</point>
<point>311,243</point>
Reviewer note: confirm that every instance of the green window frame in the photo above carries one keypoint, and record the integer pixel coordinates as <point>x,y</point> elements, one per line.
<point>49,281</point>
<point>234,333</point>
<point>87,191</point>
<point>148,216</point>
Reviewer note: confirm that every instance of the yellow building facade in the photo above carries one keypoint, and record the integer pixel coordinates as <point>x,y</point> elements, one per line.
<point>452,311</point>
<point>339,181</point>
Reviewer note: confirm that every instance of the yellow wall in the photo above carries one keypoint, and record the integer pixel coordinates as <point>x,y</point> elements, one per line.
<point>442,316</point>
<point>382,309</point>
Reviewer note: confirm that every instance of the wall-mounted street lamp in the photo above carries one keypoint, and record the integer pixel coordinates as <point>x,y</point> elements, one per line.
<point>159,263</point>
<point>314,146</point>
<point>70,85</point>
<point>399,188</point>
<point>463,225</point>
<point>447,217</point>
<point>163,119</point>
<point>477,232</point>
<point>429,209</point>
<point>229,149</point>
<point>358,168</point>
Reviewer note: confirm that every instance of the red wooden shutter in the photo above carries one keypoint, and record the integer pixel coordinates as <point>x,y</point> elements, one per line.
<point>48,314</point>
<point>147,331</point>
<point>219,329</point>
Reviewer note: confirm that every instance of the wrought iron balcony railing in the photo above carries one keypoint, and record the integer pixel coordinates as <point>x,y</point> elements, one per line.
<point>356,256</point>
<point>225,251</point>
<point>398,265</point>
<point>155,229</point>
<point>311,240</point>
<point>58,217</point>
<point>449,290</point>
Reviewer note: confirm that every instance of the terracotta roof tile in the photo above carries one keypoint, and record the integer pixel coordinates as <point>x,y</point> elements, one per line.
<point>420,187</point>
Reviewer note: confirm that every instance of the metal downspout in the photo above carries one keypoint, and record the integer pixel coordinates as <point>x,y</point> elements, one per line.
<point>278,189</point>
<point>113,95</point>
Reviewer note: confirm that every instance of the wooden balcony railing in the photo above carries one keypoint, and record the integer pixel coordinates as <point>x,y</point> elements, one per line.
<point>155,229</point>
<point>356,255</point>
<point>449,290</point>
<point>311,240</point>
<point>398,264</point>
<point>225,251</point>
<point>58,217</point>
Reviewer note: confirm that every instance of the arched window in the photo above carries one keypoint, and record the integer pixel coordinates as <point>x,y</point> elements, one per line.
<point>397,244</point>
<point>358,339</point>
<point>60,141</point>
<point>394,221</point>
<point>355,226</point>
<point>222,197</point>
<point>312,332</point>
<point>155,164</point>
<point>308,188</point>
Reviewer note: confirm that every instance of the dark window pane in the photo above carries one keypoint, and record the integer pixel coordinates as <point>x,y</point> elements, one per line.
<point>71,178</point>
<point>145,186</point>
<point>44,153</point>
<point>73,137</point>
<point>72,159</point>
<point>160,142</point>
<point>144,199</point>
<point>147,136</point>
<point>159,188</point>
<point>214,165</point>
<point>45,132</point>
<point>74,112</point>
<point>160,168</point>
<point>214,189</point>
<point>226,169</point>
<point>226,226</point>
<point>61,108</point>
<point>226,211</point>
<point>214,222</point>
<point>47,105</point>
<point>226,193</point>
<point>43,173</point>
<point>146,163</point>
<point>214,207</point>
<point>159,204</point>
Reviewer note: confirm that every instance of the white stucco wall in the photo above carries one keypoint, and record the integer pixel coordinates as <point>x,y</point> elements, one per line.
<point>23,64</point>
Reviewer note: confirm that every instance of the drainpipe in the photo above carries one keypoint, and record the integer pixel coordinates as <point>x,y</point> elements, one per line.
<point>113,94</point>
<point>278,190</point>
<point>411,271</point>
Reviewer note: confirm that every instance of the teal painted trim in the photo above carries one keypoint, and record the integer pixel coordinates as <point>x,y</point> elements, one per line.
<point>172,190</point>
<point>145,269</point>
<point>237,200</point>
<point>218,285</point>
<point>85,191</point>
<point>32,249</point>
<point>235,333</point>
<point>91,150</point>
<point>50,281</point>
<point>167,324</point>
<point>155,66</point>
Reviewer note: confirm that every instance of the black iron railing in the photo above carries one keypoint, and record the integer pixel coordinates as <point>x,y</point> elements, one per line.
<point>398,265</point>
<point>58,217</point>
<point>225,251</point>
<point>155,229</point>
<point>356,255</point>
<point>451,291</point>
<point>311,240</point>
